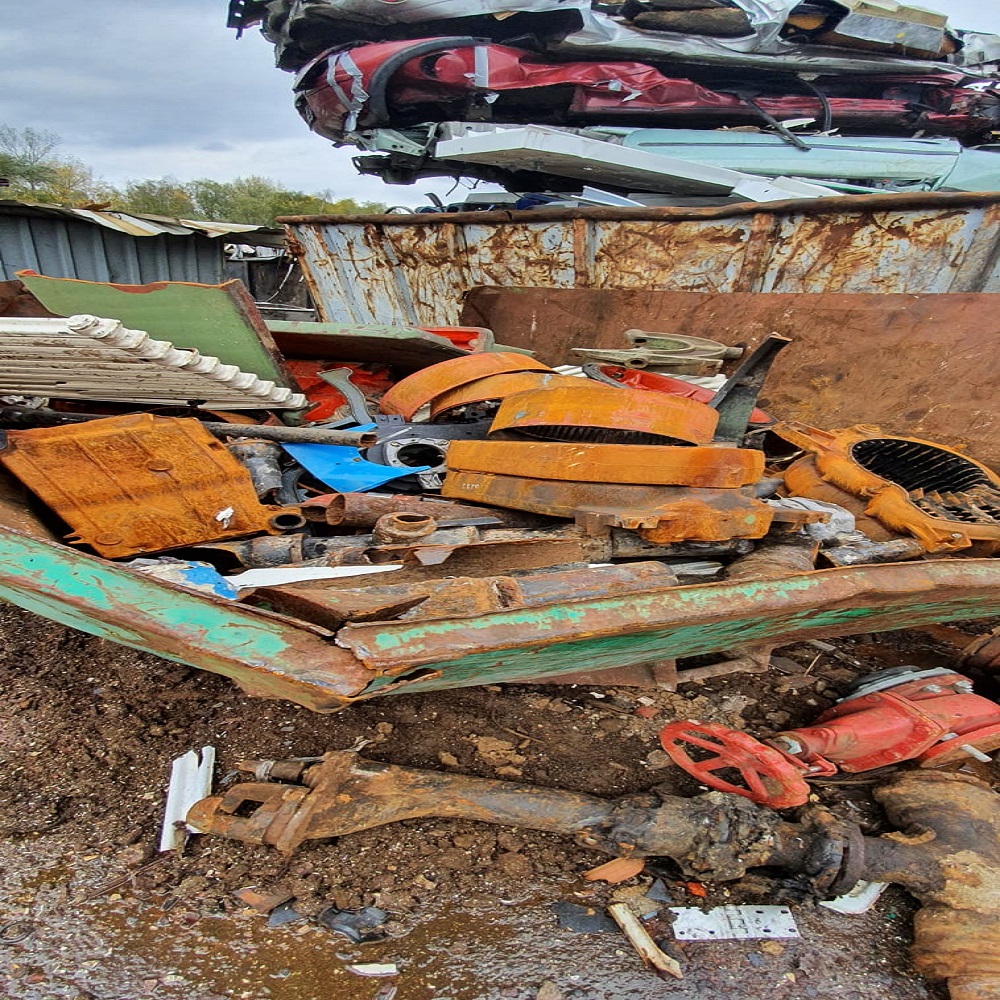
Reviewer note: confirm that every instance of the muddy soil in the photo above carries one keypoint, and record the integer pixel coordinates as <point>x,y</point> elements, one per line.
<point>90,911</point>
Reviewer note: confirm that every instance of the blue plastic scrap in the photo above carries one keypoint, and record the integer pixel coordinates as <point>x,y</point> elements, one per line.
<point>343,469</point>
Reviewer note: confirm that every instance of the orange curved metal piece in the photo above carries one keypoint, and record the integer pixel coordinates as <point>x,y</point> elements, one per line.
<point>412,392</point>
<point>497,387</point>
<point>591,412</point>
<point>637,378</point>
<point>944,499</point>
<point>713,467</point>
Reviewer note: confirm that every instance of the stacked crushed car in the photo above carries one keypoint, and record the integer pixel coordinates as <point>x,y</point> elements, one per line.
<point>865,95</point>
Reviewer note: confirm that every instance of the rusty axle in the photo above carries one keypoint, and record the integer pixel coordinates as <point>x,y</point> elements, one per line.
<point>948,854</point>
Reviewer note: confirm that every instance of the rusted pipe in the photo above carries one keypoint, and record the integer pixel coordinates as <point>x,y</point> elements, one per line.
<point>398,529</point>
<point>948,856</point>
<point>362,510</point>
<point>292,435</point>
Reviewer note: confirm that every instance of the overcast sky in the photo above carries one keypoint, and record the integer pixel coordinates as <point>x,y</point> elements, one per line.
<point>147,88</point>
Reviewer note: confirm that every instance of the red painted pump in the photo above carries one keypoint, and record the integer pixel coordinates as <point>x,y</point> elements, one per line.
<point>931,716</point>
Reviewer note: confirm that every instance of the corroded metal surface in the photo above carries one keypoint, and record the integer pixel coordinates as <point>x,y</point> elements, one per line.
<point>284,658</point>
<point>138,483</point>
<point>590,412</point>
<point>686,621</point>
<point>495,387</point>
<point>414,391</point>
<point>955,873</point>
<point>344,793</point>
<point>889,359</point>
<point>415,269</point>
<point>715,467</point>
<point>944,499</point>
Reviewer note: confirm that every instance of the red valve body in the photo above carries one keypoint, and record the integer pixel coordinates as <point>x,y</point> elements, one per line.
<point>901,723</point>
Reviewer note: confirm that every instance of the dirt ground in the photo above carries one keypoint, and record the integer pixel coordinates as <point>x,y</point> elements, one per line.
<point>89,911</point>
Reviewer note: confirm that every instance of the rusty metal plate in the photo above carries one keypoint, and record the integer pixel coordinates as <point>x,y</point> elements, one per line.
<point>414,391</point>
<point>497,387</point>
<point>138,483</point>
<point>713,467</point>
<point>591,412</point>
<point>920,365</point>
<point>415,269</point>
<point>661,514</point>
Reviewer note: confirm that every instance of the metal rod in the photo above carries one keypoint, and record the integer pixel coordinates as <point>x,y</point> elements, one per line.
<point>297,435</point>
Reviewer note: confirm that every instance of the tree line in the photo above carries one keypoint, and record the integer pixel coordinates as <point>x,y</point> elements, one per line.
<point>36,171</point>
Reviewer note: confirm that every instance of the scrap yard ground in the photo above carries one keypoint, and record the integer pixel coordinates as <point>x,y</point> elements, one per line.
<point>89,911</point>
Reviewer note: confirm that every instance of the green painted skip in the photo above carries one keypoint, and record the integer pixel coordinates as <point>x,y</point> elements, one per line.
<point>842,594</point>
<point>626,649</point>
<point>104,599</point>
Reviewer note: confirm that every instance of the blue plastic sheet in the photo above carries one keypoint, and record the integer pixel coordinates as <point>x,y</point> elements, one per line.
<point>343,469</point>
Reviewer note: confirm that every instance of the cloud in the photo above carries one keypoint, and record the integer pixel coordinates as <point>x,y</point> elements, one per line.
<point>148,89</point>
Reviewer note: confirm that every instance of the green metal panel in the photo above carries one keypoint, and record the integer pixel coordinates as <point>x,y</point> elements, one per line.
<point>219,321</point>
<point>263,652</point>
<point>284,658</point>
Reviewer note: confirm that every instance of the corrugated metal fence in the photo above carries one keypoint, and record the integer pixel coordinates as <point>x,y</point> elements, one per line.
<point>69,248</point>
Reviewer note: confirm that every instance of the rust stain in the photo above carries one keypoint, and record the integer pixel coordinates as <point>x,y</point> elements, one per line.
<point>715,466</point>
<point>591,411</point>
<point>138,483</point>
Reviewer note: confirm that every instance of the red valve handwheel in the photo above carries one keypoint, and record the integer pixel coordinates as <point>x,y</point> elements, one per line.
<point>767,776</point>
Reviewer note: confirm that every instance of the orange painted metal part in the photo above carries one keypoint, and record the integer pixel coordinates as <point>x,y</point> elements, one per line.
<point>711,467</point>
<point>414,391</point>
<point>496,387</point>
<point>138,483</point>
<point>944,499</point>
<point>661,515</point>
<point>636,378</point>
<point>589,411</point>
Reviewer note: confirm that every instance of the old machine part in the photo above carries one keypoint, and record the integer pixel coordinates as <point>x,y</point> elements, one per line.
<point>944,499</point>
<point>660,514</point>
<point>904,713</point>
<point>947,852</point>
<point>421,447</point>
<point>140,483</point>
<point>655,382</point>
<point>362,510</point>
<point>590,413</point>
<point>357,403</point>
<point>494,388</point>
<point>716,467</point>
<point>736,401</point>
<point>407,396</point>
<point>682,345</point>
<point>262,459</point>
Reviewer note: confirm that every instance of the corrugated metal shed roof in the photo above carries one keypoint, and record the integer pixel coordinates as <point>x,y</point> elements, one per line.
<point>117,247</point>
<point>144,225</point>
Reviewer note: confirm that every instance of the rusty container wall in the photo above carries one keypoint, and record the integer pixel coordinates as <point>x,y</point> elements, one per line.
<point>415,269</point>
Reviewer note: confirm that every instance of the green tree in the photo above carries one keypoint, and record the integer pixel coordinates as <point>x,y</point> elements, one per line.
<point>163,196</point>
<point>29,159</point>
<point>27,156</point>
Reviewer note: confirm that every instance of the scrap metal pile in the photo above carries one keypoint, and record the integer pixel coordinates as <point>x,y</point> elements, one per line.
<point>522,522</point>
<point>470,498</point>
<point>863,94</point>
